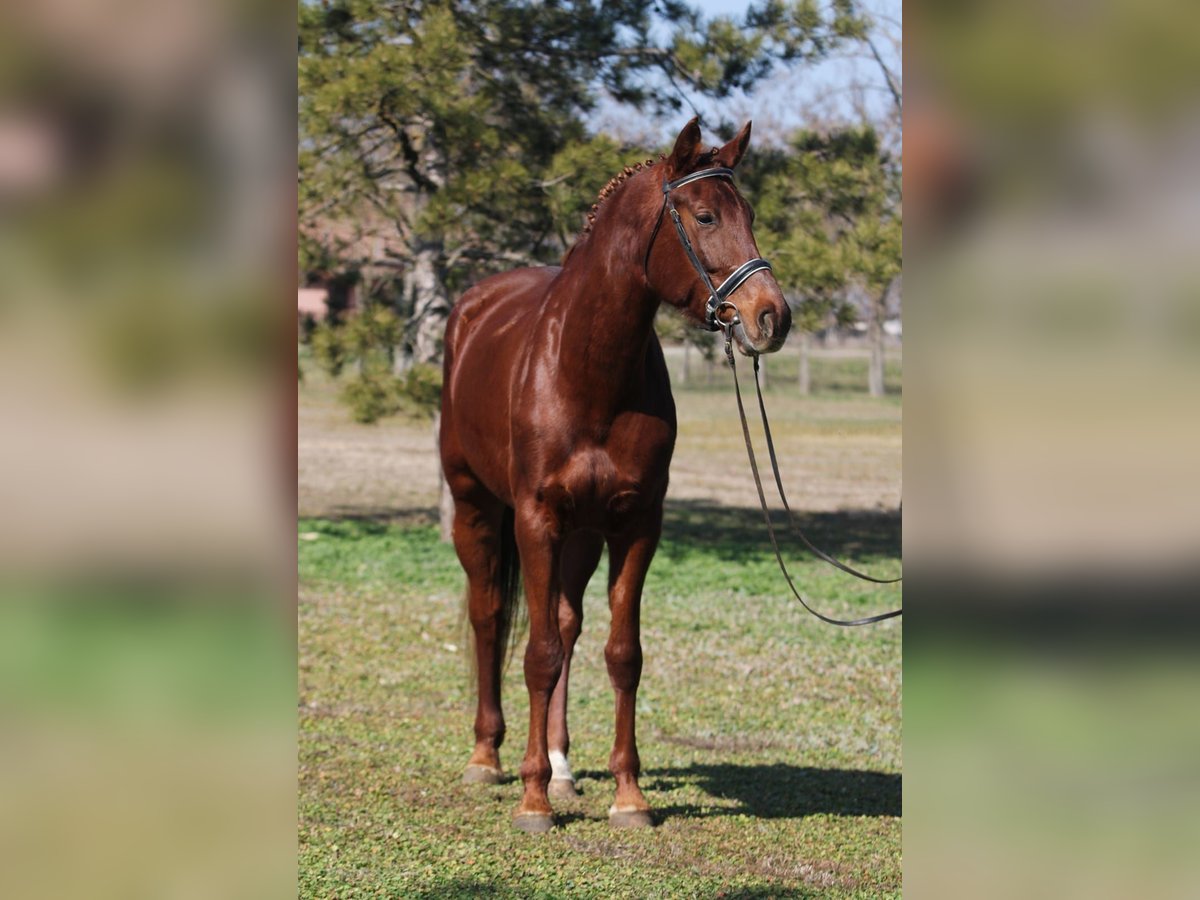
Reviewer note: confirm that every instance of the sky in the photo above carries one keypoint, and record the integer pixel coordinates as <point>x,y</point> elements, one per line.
<point>787,99</point>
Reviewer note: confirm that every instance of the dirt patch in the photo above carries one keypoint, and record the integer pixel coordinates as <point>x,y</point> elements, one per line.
<point>835,453</point>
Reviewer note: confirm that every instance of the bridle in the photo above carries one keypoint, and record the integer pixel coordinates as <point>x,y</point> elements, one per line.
<point>718,297</point>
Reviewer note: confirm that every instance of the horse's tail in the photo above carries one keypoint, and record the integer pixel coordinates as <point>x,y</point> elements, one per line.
<point>510,624</point>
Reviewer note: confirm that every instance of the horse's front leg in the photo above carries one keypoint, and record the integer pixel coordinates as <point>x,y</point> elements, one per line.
<point>630,555</point>
<point>539,546</point>
<point>581,553</point>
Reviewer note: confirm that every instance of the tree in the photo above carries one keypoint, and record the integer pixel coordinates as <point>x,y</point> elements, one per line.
<point>442,129</point>
<point>828,219</point>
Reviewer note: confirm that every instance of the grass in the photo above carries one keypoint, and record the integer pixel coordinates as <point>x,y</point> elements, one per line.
<point>770,743</point>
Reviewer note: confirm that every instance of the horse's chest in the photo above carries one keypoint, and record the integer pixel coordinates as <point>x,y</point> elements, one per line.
<point>607,485</point>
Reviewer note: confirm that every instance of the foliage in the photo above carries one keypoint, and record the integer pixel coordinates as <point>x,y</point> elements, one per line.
<point>422,388</point>
<point>828,219</point>
<point>328,348</point>
<point>576,175</point>
<point>367,343</point>
<point>674,328</point>
<point>372,394</point>
<point>445,118</point>
<point>442,141</point>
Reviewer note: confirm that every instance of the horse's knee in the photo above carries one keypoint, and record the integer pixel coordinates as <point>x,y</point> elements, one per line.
<point>543,661</point>
<point>624,658</point>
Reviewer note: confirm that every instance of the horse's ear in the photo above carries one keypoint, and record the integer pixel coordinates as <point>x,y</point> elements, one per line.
<point>731,154</point>
<point>683,157</point>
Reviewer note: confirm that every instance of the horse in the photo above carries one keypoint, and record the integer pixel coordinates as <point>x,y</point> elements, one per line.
<point>556,436</point>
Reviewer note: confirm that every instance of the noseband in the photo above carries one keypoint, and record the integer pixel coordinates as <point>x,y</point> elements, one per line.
<point>718,297</point>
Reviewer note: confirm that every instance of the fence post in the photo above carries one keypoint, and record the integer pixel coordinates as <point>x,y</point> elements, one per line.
<point>805,382</point>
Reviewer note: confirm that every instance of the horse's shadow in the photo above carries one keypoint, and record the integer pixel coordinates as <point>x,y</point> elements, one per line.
<point>479,887</point>
<point>775,791</point>
<point>737,533</point>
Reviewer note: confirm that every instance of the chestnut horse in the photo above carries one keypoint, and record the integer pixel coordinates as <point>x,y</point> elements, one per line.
<point>557,431</point>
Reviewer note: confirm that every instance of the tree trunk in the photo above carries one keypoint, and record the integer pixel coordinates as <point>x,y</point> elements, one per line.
<point>875,336</point>
<point>431,305</point>
<point>687,348</point>
<point>805,374</point>
<point>762,372</point>
<point>401,361</point>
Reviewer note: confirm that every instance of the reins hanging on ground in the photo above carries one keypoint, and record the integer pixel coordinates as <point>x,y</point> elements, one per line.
<point>778,482</point>
<point>762,410</point>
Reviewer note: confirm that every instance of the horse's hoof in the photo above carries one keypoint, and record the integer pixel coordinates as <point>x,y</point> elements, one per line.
<point>562,789</point>
<point>477,774</point>
<point>630,818</point>
<point>533,823</point>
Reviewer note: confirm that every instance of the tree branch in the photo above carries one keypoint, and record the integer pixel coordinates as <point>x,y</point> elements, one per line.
<point>888,76</point>
<point>412,159</point>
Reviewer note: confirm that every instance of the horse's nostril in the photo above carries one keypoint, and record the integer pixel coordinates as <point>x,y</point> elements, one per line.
<point>766,323</point>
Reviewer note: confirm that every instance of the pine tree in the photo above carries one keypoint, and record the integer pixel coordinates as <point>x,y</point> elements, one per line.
<point>440,141</point>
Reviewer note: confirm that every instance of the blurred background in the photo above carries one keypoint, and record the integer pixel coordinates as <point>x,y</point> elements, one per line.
<point>1052,527</point>
<point>146,620</point>
<point>147,402</point>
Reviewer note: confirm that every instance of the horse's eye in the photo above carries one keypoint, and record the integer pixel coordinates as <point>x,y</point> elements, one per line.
<point>706,218</point>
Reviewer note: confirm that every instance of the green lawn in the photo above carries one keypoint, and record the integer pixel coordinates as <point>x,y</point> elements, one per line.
<point>770,742</point>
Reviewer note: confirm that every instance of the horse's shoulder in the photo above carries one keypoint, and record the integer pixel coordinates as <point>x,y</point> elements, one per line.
<point>504,292</point>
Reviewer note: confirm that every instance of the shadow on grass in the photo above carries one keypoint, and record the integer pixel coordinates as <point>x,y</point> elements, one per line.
<point>459,887</point>
<point>737,532</point>
<point>365,520</point>
<point>689,526</point>
<point>779,791</point>
<point>479,887</point>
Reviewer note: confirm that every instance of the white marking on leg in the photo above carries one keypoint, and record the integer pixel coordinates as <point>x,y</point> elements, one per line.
<point>559,767</point>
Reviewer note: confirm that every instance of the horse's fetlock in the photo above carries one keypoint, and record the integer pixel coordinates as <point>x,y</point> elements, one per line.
<point>490,728</point>
<point>536,770</point>
<point>625,762</point>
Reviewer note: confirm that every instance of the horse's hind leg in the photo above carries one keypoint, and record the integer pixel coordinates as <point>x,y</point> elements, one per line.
<point>480,543</point>
<point>579,558</point>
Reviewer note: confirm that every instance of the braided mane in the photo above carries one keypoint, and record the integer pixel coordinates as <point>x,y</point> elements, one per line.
<point>609,189</point>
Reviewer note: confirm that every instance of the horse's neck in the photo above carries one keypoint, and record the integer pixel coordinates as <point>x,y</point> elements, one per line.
<point>606,310</point>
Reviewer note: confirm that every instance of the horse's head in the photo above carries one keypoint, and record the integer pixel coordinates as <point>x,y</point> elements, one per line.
<point>716,221</point>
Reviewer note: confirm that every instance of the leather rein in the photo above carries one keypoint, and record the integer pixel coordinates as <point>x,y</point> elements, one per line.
<point>718,299</point>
